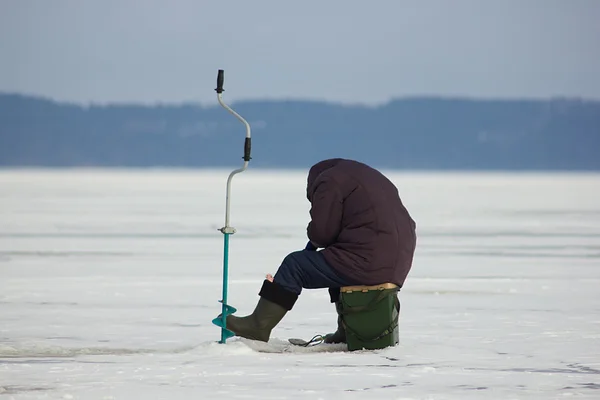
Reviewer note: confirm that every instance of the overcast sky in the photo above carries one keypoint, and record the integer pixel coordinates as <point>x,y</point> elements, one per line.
<point>352,51</point>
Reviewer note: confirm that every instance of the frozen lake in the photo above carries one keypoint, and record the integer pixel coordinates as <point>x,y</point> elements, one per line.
<point>109,281</point>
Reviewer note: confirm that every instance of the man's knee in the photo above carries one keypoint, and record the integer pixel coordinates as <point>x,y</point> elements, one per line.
<point>292,260</point>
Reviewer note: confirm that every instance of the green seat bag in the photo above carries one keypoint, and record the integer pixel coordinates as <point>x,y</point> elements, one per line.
<point>370,316</point>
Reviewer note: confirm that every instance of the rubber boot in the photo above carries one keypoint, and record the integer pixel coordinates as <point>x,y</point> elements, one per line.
<point>340,334</point>
<point>274,303</point>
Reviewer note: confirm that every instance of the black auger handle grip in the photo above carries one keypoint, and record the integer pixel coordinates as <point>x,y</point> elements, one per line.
<point>247,148</point>
<point>220,79</point>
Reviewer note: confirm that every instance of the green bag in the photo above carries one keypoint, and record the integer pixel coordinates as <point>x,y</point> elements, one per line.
<point>370,316</point>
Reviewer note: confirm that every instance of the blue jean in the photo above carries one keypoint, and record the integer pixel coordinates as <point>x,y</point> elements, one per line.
<point>306,269</point>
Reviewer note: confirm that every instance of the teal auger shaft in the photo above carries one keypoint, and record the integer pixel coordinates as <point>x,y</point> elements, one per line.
<point>224,310</point>
<point>228,230</point>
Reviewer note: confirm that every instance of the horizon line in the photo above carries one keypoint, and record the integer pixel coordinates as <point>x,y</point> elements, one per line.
<point>291,99</point>
<point>288,169</point>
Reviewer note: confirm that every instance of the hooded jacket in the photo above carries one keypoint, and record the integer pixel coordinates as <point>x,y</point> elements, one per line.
<point>359,220</point>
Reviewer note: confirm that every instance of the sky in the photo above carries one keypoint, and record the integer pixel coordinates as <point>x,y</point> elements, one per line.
<point>348,51</point>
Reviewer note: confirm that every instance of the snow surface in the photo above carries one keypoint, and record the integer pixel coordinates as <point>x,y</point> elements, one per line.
<point>109,280</point>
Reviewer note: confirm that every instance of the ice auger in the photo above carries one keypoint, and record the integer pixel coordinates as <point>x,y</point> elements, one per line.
<point>228,230</point>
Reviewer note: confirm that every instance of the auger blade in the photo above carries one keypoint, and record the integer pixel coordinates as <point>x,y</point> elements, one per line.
<point>227,310</point>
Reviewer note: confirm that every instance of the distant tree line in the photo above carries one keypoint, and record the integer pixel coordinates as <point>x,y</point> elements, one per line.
<point>411,133</point>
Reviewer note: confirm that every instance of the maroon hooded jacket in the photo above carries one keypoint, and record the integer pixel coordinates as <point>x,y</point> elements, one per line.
<point>357,217</point>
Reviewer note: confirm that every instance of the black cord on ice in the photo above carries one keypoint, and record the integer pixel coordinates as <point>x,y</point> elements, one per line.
<point>317,339</point>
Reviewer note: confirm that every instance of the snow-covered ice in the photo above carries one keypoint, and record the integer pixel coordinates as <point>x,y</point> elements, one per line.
<point>109,280</point>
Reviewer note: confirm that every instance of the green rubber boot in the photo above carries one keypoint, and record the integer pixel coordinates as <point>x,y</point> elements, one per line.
<point>273,305</point>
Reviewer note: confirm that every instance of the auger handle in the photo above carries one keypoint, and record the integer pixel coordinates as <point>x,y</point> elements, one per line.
<point>220,79</point>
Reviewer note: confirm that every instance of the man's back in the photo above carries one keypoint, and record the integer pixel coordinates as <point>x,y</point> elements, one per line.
<point>369,234</point>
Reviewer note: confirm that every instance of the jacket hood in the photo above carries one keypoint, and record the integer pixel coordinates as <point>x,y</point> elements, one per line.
<point>317,170</point>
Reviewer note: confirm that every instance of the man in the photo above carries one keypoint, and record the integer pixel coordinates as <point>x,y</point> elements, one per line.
<point>366,235</point>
